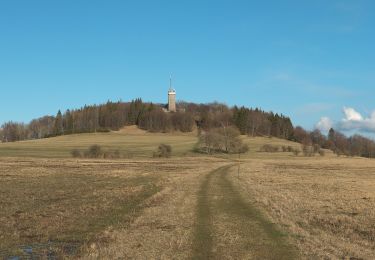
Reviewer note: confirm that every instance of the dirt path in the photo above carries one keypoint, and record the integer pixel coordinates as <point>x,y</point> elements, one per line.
<point>229,227</point>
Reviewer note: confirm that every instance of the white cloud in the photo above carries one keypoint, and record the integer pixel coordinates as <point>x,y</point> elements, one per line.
<point>352,121</point>
<point>355,121</point>
<point>324,124</point>
<point>351,114</point>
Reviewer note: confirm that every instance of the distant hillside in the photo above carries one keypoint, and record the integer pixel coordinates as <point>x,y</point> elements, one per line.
<point>131,142</point>
<point>189,117</point>
<point>151,117</point>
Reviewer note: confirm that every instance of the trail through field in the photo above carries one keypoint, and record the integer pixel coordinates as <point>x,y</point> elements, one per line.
<point>229,227</point>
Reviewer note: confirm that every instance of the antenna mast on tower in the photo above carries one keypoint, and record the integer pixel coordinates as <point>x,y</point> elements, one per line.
<point>170,82</point>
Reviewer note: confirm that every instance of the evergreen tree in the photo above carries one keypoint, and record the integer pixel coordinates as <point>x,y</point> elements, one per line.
<point>58,125</point>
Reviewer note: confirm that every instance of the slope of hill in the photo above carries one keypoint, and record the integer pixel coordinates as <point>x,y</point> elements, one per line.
<point>131,143</point>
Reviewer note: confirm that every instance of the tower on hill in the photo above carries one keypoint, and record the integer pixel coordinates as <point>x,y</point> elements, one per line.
<point>171,97</point>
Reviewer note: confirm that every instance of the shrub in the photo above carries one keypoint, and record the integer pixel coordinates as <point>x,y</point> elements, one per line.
<point>296,152</point>
<point>76,153</point>
<point>244,148</point>
<point>164,150</point>
<point>322,152</point>
<point>290,149</point>
<point>284,148</point>
<point>112,154</point>
<point>221,140</point>
<point>308,150</point>
<point>269,148</point>
<point>95,151</point>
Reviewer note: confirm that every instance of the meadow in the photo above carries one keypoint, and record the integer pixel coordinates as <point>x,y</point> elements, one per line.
<point>189,206</point>
<point>325,204</point>
<point>130,141</point>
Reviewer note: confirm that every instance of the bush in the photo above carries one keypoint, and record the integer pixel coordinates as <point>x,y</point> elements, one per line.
<point>95,151</point>
<point>290,149</point>
<point>296,152</point>
<point>112,154</point>
<point>308,150</point>
<point>76,153</point>
<point>269,148</point>
<point>322,152</point>
<point>164,150</point>
<point>244,148</point>
<point>221,140</point>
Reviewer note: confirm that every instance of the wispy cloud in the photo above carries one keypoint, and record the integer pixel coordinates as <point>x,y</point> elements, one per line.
<point>314,108</point>
<point>311,87</point>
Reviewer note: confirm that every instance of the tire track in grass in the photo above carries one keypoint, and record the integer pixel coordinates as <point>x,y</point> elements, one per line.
<point>202,244</point>
<point>229,227</point>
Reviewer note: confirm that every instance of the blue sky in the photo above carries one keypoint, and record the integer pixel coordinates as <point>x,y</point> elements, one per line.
<point>305,59</point>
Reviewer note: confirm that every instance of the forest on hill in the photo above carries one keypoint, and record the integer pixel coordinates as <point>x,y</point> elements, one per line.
<point>112,116</point>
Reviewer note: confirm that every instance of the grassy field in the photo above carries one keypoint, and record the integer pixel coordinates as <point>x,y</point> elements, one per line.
<point>131,142</point>
<point>89,208</point>
<point>190,206</point>
<point>326,204</point>
<point>53,206</point>
<point>229,227</point>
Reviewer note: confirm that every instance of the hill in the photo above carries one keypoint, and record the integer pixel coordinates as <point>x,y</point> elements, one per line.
<point>131,142</point>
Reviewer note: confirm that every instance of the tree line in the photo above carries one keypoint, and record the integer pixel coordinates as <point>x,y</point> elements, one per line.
<point>151,117</point>
<point>336,141</point>
<point>112,116</point>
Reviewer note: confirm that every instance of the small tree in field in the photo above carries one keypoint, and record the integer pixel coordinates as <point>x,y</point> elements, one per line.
<point>76,153</point>
<point>296,152</point>
<point>95,151</point>
<point>164,150</point>
<point>223,139</point>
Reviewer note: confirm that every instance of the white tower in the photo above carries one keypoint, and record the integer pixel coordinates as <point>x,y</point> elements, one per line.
<point>171,97</point>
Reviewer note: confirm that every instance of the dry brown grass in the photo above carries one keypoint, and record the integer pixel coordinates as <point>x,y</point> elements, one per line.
<point>229,227</point>
<point>99,208</point>
<point>131,143</point>
<point>147,208</point>
<point>55,206</point>
<point>165,228</point>
<point>327,205</point>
